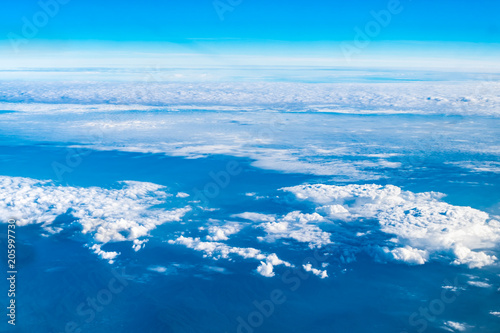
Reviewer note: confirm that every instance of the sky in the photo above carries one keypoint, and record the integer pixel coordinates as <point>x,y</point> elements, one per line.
<point>465,29</point>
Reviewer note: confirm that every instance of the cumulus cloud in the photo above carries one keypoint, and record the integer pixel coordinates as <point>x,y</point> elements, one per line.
<point>107,215</point>
<point>256,217</point>
<point>294,225</point>
<point>266,269</point>
<point>298,226</point>
<point>321,273</point>
<point>139,244</point>
<point>335,211</point>
<point>423,227</point>
<point>103,254</point>
<point>422,223</point>
<point>405,254</point>
<point>465,255</point>
<point>218,233</point>
<point>217,250</point>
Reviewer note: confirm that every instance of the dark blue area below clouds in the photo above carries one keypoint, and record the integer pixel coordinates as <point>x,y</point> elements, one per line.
<point>59,275</point>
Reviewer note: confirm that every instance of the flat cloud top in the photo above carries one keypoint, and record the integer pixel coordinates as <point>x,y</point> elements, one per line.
<point>467,97</point>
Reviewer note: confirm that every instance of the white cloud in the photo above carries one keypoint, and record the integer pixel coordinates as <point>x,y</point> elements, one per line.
<point>455,326</point>
<point>182,195</point>
<point>479,284</point>
<point>294,225</point>
<point>217,250</point>
<point>335,211</point>
<point>139,244</point>
<point>452,288</point>
<point>298,226</point>
<point>321,273</point>
<point>158,269</point>
<point>218,233</point>
<point>495,313</point>
<point>216,269</point>
<point>268,134</point>
<point>103,254</point>
<point>406,254</point>
<point>107,215</point>
<point>471,258</point>
<point>256,217</point>
<point>421,222</point>
<point>266,269</point>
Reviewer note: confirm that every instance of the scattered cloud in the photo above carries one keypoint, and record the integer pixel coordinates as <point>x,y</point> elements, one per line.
<point>479,284</point>
<point>453,326</point>
<point>217,250</point>
<point>321,273</point>
<point>218,233</point>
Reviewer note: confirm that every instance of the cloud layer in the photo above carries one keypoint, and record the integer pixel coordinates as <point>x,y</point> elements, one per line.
<point>469,97</point>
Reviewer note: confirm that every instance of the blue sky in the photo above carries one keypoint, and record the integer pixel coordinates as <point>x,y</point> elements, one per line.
<point>182,21</point>
<point>469,29</point>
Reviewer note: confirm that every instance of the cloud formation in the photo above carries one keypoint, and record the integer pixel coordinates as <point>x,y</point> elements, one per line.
<point>321,273</point>
<point>217,250</point>
<point>294,225</point>
<point>390,224</point>
<point>106,215</point>
<point>218,233</point>
<point>423,225</point>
